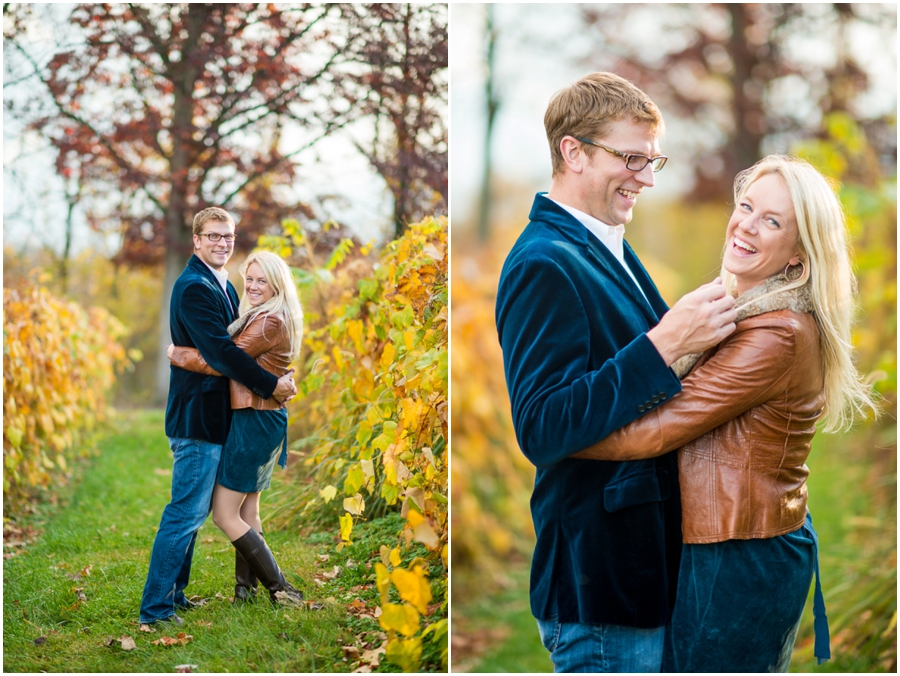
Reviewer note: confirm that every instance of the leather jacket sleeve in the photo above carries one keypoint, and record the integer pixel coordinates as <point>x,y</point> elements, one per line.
<point>746,370</point>
<point>190,359</point>
<point>255,339</point>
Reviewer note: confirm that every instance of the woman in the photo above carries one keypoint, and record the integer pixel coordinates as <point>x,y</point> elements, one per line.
<point>270,328</point>
<point>744,422</point>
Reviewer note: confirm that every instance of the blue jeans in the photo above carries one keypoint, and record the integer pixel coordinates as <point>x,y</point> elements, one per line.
<point>602,648</point>
<point>193,480</point>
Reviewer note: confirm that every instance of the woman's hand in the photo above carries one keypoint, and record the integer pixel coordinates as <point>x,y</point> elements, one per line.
<point>169,351</point>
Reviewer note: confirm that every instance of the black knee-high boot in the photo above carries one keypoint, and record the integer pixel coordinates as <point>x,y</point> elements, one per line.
<point>244,579</point>
<point>262,563</point>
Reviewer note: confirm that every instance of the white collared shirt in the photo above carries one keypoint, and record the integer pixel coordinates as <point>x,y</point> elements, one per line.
<point>611,236</point>
<point>221,276</point>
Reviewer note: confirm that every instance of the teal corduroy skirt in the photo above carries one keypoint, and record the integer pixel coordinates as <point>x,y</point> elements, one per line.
<point>255,441</point>
<point>739,604</point>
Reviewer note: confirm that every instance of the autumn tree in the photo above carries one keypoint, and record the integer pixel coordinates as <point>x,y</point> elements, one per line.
<point>737,74</point>
<point>166,109</point>
<point>400,80</point>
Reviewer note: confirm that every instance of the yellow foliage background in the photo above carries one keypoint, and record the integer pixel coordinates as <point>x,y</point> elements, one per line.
<point>60,361</point>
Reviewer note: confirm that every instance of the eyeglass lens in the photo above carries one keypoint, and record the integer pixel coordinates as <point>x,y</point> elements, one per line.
<point>638,162</point>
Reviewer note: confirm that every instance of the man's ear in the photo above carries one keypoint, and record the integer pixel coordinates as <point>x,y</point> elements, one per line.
<point>573,154</point>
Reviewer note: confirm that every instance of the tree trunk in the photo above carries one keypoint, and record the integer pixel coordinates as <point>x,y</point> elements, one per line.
<point>484,210</point>
<point>178,240</point>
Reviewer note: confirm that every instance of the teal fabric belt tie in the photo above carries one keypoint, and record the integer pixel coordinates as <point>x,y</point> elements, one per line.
<point>822,649</point>
<point>282,459</point>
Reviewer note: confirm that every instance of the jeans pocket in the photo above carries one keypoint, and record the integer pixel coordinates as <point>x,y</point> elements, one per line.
<point>549,630</point>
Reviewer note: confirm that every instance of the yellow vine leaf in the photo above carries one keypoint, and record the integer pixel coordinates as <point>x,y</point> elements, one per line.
<point>413,587</point>
<point>401,618</point>
<point>405,653</point>
<point>346,522</point>
<point>355,505</point>
<point>382,581</point>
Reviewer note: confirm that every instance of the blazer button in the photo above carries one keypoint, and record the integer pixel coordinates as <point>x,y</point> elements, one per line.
<point>656,400</point>
<point>662,396</point>
<point>641,409</point>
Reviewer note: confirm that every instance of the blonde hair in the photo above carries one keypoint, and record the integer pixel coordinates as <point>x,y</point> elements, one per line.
<point>590,106</point>
<point>824,252</point>
<point>210,214</point>
<point>284,303</point>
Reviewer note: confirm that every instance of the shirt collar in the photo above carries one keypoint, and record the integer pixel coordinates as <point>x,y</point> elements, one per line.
<point>600,229</point>
<point>221,275</point>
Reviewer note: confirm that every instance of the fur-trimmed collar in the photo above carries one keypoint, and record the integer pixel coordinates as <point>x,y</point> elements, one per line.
<point>756,302</point>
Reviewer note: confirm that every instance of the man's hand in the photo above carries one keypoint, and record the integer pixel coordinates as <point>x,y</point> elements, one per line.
<point>285,390</point>
<point>699,320</point>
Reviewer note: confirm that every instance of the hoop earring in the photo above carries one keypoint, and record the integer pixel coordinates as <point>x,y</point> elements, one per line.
<point>789,267</point>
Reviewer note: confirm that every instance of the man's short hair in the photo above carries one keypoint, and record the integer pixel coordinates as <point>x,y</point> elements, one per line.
<point>210,214</point>
<point>590,106</point>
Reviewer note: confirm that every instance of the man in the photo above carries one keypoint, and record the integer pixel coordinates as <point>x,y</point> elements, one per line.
<point>198,412</point>
<point>585,352</point>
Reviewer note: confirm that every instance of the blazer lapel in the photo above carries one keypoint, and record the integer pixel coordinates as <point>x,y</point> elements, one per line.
<point>603,258</point>
<point>659,306</point>
<point>231,302</point>
<point>572,229</point>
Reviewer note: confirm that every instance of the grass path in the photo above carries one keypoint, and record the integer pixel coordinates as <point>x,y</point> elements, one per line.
<point>76,590</point>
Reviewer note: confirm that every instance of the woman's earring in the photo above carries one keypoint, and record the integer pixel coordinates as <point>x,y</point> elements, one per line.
<point>790,267</point>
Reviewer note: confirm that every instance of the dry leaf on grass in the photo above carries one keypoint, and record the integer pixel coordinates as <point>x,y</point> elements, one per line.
<point>181,639</point>
<point>146,628</point>
<point>127,643</point>
<point>185,668</point>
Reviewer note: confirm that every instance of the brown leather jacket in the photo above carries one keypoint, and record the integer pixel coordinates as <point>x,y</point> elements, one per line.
<point>266,339</point>
<point>743,424</point>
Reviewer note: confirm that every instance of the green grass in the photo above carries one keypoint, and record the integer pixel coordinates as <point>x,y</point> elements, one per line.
<point>497,633</point>
<point>107,524</point>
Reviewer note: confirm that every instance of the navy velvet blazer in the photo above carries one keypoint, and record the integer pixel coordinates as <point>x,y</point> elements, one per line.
<point>578,366</point>
<point>199,406</point>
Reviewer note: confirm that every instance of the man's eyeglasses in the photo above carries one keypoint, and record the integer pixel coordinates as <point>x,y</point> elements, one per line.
<point>633,162</point>
<point>215,237</point>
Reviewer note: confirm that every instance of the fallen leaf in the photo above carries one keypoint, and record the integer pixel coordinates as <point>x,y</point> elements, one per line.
<point>127,643</point>
<point>185,668</point>
<point>351,652</point>
<point>364,669</point>
<point>324,558</point>
<point>146,628</point>
<point>373,657</point>
<point>40,640</point>
<point>315,606</point>
<point>333,574</point>
<point>86,571</point>
<point>79,595</point>
<point>181,639</point>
